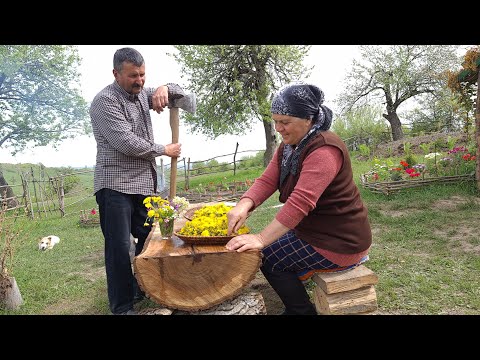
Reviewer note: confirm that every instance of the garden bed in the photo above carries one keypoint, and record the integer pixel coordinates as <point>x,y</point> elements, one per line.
<point>388,187</point>
<point>89,218</point>
<point>195,198</point>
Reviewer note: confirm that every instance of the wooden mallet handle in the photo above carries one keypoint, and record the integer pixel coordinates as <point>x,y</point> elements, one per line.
<point>174,125</point>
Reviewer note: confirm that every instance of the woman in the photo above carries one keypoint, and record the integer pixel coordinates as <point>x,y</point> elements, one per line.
<point>323,225</point>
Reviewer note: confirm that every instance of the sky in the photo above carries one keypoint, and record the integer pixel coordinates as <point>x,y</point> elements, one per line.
<point>331,64</point>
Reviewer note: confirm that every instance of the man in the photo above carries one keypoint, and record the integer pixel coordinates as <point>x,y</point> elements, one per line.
<point>125,171</point>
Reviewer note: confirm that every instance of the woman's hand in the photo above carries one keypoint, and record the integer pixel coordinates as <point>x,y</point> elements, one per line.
<point>246,242</point>
<point>236,216</point>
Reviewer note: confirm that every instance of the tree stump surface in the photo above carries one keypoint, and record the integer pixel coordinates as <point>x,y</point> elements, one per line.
<point>192,277</point>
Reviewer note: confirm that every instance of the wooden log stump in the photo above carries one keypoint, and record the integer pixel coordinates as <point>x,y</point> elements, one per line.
<point>248,303</point>
<point>348,292</point>
<point>192,277</point>
<point>10,296</point>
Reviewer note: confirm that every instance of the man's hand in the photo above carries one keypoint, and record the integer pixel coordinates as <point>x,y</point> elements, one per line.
<point>173,150</point>
<point>160,99</point>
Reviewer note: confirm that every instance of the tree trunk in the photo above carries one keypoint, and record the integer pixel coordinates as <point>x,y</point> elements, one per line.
<point>6,192</point>
<point>192,277</point>
<point>10,297</point>
<point>477,130</point>
<point>396,125</point>
<point>270,141</point>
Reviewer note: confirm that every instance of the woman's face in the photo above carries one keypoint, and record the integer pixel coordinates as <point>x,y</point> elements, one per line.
<point>291,128</point>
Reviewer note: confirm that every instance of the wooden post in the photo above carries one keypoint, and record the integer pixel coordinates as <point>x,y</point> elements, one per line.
<point>61,197</point>
<point>40,190</point>
<point>27,189</point>
<point>174,125</point>
<point>234,163</point>
<point>160,176</point>
<point>187,176</point>
<point>35,191</point>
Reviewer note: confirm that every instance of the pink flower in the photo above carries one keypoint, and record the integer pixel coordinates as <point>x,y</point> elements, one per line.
<point>93,212</point>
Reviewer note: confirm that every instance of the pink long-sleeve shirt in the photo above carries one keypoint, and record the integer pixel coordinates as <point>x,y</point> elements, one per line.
<point>318,170</point>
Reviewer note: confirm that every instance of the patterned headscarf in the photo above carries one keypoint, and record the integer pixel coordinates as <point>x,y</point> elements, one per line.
<point>304,101</point>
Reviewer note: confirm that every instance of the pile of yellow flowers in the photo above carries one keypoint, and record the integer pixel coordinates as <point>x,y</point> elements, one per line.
<point>210,220</point>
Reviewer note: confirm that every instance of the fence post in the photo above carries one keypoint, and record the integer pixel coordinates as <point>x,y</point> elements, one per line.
<point>161,176</point>
<point>187,176</point>
<point>28,198</point>
<point>234,163</point>
<point>35,192</point>
<point>61,196</point>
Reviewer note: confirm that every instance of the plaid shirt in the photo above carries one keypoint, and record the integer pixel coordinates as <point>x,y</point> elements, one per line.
<point>126,150</point>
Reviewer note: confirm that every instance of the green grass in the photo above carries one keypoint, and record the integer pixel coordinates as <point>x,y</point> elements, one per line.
<point>425,252</point>
<point>202,181</point>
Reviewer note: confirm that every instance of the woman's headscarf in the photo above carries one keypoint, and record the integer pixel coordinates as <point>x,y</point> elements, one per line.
<point>304,101</point>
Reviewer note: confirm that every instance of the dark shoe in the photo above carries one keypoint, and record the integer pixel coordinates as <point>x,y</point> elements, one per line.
<point>129,312</point>
<point>138,297</point>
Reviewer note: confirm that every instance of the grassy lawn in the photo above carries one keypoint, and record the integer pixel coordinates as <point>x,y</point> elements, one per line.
<point>425,252</point>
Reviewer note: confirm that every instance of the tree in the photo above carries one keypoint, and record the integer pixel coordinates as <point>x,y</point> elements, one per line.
<point>438,112</point>
<point>466,84</point>
<point>362,125</point>
<point>39,103</point>
<point>234,84</point>
<point>394,74</point>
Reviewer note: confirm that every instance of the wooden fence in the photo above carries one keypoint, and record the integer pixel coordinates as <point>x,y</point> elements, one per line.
<point>39,194</point>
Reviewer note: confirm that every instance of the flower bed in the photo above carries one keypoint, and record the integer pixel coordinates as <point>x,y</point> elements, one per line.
<point>388,187</point>
<point>386,177</point>
<point>89,218</point>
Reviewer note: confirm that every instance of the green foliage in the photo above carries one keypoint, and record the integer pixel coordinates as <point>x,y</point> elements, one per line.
<point>437,112</point>
<point>364,150</point>
<point>425,147</point>
<point>39,96</point>
<point>410,159</point>
<point>364,125</point>
<point>451,141</point>
<point>439,144</point>
<point>251,161</point>
<point>407,148</point>
<point>234,84</point>
<point>390,75</point>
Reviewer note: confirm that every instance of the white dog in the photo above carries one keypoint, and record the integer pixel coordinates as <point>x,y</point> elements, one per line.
<point>48,242</point>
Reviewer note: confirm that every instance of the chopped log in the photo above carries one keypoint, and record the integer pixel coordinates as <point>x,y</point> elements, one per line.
<point>345,292</point>
<point>356,278</point>
<point>192,277</point>
<point>250,303</point>
<point>358,301</point>
<point>10,296</point>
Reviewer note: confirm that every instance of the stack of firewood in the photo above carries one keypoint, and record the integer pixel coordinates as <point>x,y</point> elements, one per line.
<point>347,292</point>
